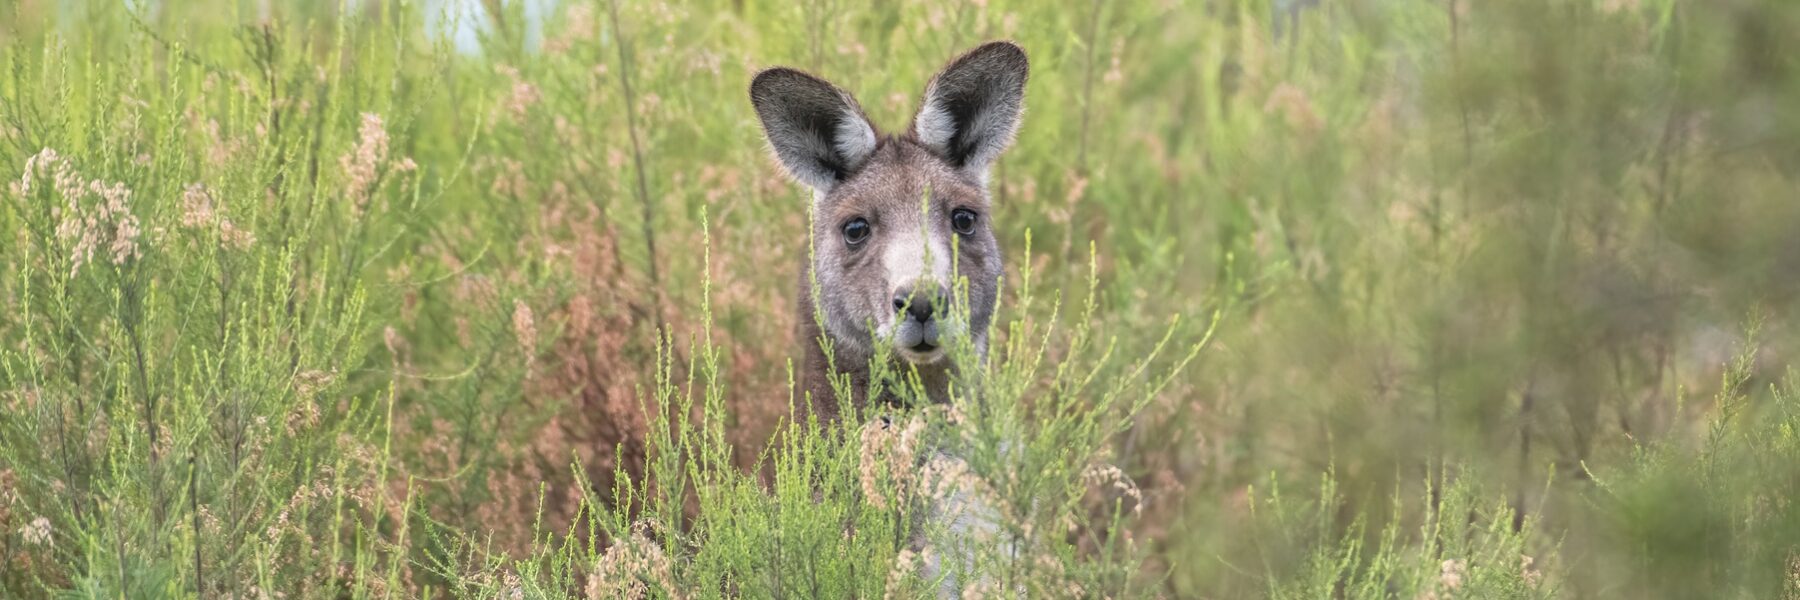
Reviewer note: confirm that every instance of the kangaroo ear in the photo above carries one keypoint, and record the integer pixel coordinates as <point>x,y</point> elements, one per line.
<point>972,107</point>
<point>817,130</point>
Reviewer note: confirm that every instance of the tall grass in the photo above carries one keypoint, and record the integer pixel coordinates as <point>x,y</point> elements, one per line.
<point>1353,299</point>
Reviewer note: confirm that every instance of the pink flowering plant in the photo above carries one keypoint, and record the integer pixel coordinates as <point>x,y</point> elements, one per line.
<point>494,299</point>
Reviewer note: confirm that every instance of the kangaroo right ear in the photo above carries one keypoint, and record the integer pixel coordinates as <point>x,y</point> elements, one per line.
<point>972,107</point>
<point>817,130</point>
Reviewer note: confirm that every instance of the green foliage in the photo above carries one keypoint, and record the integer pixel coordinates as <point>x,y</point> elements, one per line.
<point>322,299</point>
<point>1467,547</point>
<point>1710,511</point>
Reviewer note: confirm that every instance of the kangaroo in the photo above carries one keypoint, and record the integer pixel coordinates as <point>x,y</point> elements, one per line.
<point>887,211</point>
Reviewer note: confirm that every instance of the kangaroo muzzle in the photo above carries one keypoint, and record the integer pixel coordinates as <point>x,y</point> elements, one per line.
<point>921,317</point>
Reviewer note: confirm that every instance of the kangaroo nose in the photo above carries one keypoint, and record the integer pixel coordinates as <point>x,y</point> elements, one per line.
<point>919,305</point>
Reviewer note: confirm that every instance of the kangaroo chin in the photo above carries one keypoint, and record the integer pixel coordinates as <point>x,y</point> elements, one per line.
<point>926,343</point>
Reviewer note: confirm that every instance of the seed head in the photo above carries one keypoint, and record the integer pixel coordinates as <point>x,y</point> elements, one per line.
<point>37,532</point>
<point>362,164</point>
<point>524,329</point>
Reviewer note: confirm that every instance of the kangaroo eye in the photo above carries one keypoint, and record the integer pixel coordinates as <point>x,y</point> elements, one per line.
<point>855,231</point>
<point>963,221</point>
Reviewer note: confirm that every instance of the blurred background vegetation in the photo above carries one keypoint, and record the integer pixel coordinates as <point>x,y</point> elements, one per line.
<point>1515,279</point>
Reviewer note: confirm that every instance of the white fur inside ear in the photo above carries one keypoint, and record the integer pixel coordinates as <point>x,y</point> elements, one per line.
<point>988,131</point>
<point>997,133</point>
<point>855,139</point>
<point>934,125</point>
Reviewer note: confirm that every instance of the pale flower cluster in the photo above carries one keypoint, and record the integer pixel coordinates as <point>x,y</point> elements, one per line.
<point>1105,475</point>
<point>1450,578</point>
<point>198,212</point>
<point>524,328</point>
<point>362,164</point>
<point>1529,573</point>
<point>37,532</point>
<point>906,564</point>
<point>103,226</point>
<point>1451,573</point>
<point>892,450</point>
<point>626,567</point>
<point>960,496</point>
<point>521,97</point>
<point>580,25</point>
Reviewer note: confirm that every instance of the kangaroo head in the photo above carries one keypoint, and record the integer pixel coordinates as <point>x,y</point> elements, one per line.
<point>901,221</point>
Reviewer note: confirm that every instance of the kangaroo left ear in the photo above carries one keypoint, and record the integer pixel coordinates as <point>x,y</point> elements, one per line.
<point>971,109</point>
<point>817,130</point>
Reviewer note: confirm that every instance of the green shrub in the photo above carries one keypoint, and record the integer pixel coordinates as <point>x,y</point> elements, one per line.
<point>391,298</point>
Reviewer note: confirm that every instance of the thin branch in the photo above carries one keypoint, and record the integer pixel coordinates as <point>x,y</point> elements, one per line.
<point>194,507</point>
<point>637,159</point>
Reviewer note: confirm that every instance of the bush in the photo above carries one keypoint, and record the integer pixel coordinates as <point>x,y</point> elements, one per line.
<point>389,298</point>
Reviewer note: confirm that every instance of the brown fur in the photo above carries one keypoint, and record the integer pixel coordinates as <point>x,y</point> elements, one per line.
<point>819,134</point>
<point>889,188</point>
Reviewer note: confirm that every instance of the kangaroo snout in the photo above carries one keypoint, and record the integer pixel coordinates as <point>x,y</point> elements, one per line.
<point>919,313</point>
<point>921,302</point>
